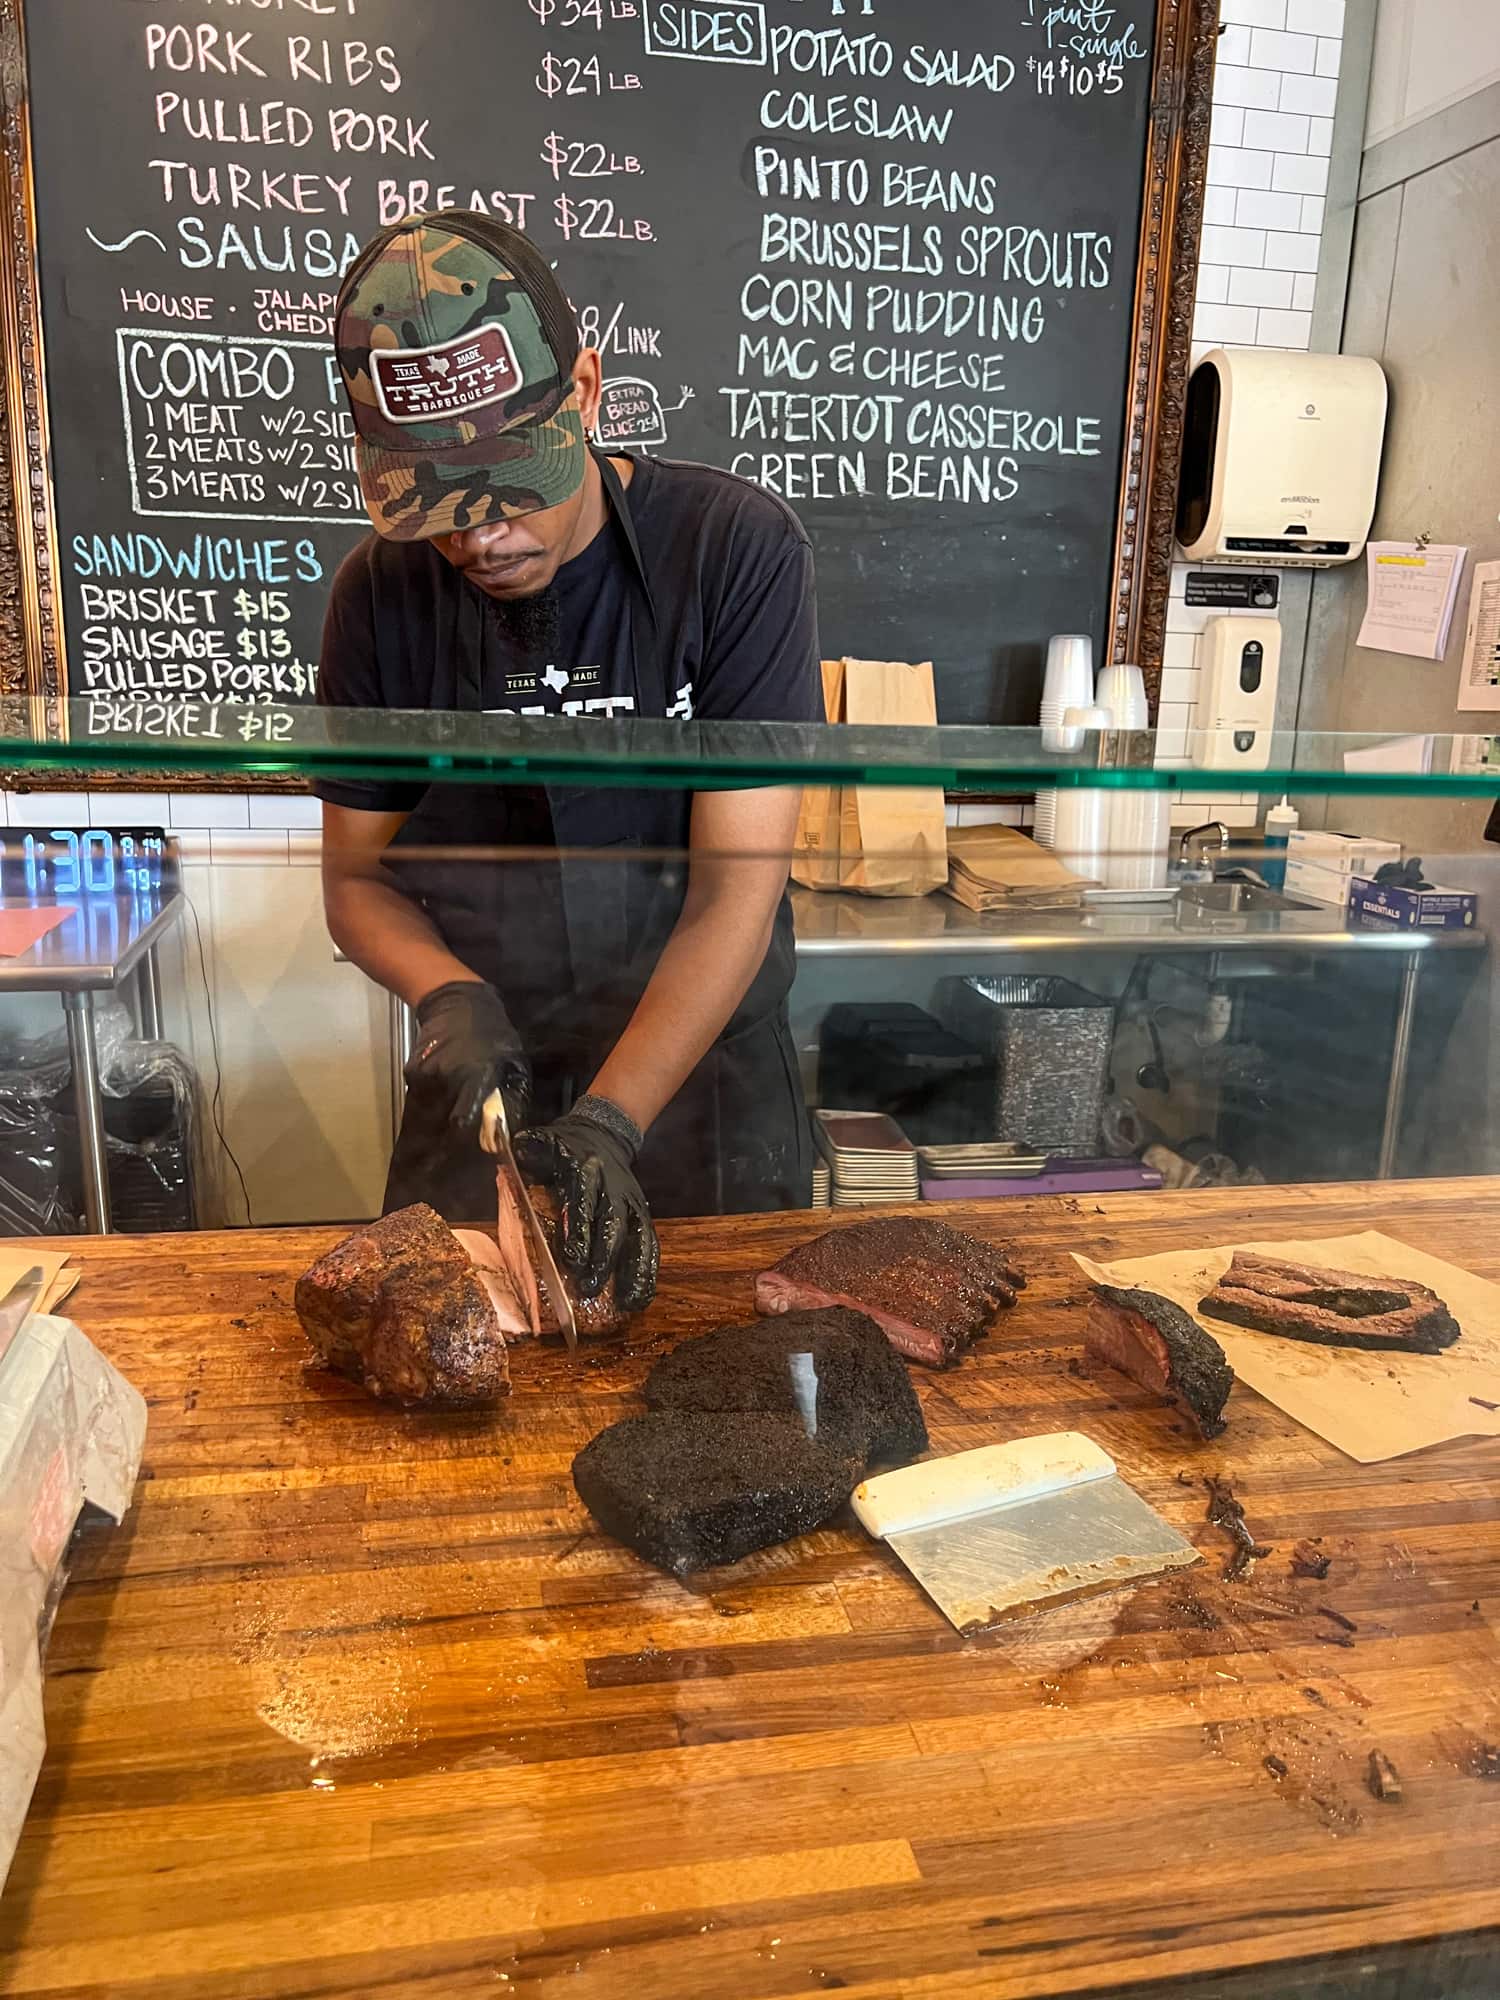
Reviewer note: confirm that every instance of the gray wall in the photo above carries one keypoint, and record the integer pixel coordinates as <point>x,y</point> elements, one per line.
<point>1424,297</point>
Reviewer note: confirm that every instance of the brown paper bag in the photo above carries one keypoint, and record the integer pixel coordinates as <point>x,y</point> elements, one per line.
<point>876,840</point>
<point>815,863</point>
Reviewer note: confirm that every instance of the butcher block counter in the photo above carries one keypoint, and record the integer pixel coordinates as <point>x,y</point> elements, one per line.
<point>359,1703</point>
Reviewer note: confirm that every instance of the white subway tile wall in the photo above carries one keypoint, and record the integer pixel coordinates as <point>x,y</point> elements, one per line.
<point>1254,13</point>
<point>1313,94</point>
<point>1260,288</point>
<point>1278,131</point>
<point>1274,95</point>
<point>286,811</point>
<point>1298,173</point>
<point>49,809</point>
<point>225,810</point>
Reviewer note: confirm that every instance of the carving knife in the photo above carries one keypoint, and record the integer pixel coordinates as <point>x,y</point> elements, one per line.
<point>494,1137</point>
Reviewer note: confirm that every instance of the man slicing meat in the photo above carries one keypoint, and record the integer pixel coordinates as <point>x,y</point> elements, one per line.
<point>634,1009</point>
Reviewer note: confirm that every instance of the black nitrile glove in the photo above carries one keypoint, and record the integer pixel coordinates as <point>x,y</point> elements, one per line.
<point>465,1048</point>
<point>588,1158</point>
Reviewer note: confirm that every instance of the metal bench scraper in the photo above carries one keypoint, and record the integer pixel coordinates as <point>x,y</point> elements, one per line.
<point>1007,1528</point>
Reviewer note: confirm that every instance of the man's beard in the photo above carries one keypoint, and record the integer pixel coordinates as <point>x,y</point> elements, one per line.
<point>528,626</point>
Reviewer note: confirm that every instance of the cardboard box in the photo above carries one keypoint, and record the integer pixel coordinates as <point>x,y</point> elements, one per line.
<point>1323,885</point>
<point>1322,865</point>
<point>1390,907</point>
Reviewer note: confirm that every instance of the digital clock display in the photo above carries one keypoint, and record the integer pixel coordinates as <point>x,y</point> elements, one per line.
<point>59,864</point>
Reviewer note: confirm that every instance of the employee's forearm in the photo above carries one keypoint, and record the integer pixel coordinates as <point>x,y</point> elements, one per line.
<point>390,938</point>
<point>702,975</point>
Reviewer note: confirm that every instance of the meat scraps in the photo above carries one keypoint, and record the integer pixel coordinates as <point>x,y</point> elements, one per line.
<point>1160,1346</point>
<point>932,1288</point>
<point>833,1370</point>
<point>1333,1308</point>
<point>400,1308</point>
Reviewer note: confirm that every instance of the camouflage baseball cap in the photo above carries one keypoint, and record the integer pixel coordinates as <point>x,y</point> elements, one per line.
<point>457,348</point>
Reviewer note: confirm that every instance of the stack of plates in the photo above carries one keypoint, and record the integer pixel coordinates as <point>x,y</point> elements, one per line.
<point>822,1192</point>
<point>870,1158</point>
<point>978,1162</point>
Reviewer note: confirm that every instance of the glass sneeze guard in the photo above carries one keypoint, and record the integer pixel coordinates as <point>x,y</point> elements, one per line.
<point>441,746</point>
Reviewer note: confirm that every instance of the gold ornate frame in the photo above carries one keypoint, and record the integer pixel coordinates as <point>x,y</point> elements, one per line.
<point>33,661</point>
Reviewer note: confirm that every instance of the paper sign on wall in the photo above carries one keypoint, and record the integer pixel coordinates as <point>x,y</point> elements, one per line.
<point>1479,676</point>
<point>1412,593</point>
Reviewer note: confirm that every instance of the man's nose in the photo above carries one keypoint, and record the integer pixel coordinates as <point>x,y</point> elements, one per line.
<point>489,538</point>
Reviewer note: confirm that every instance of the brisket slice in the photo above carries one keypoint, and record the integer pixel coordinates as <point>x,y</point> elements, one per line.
<point>833,1371</point>
<point>1157,1344</point>
<point>931,1288</point>
<point>1333,1308</point>
<point>689,1490</point>
<point>592,1317</point>
<point>400,1308</point>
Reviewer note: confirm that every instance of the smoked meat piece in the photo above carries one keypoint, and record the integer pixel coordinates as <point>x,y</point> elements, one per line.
<point>400,1308</point>
<point>689,1490</point>
<point>931,1288</point>
<point>1332,1308</point>
<point>833,1370</point>
<point>1160,1346</point>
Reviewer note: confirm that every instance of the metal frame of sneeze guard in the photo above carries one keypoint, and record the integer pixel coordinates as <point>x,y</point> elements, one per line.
<point>295,745</point>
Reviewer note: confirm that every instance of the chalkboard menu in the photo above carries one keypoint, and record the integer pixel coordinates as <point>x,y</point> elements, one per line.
<point>879,255</point>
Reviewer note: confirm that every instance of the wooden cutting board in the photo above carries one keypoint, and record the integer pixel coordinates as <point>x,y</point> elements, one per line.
<point>1372,1406</point>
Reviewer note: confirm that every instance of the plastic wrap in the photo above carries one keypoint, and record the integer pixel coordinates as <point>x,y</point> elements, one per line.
<point>71,1431</point>
<point>150,1094</point>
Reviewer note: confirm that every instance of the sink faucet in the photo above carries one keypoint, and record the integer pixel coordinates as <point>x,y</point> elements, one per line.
<point>1193,846</point>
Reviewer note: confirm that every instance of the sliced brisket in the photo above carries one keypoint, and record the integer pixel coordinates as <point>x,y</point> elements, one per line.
<point>1333,1308</point>
<point>833,1371</point>
<point>1160,1346</point>
<point>931,1288</point>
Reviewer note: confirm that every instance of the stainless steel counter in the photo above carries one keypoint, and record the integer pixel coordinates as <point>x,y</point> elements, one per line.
<point>104,942</point>
<point>837,924</point>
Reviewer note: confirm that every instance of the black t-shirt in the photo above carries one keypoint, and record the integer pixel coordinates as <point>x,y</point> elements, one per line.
<point>731,578</point>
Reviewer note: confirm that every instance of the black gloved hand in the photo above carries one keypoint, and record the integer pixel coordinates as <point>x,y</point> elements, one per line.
<point>465,1048</point>
<point>588,1158</point>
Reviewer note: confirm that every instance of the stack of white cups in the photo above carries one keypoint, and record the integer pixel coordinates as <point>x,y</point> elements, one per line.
<point>1122,690</point>
<point>1138,823</point>
<point>1080,828</point>
<point>1067,683</point>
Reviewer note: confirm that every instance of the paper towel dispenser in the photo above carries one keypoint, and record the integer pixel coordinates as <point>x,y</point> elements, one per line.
<point>1280,457</point>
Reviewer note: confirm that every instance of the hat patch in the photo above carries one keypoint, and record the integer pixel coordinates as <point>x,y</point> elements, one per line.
<point>422,385</point>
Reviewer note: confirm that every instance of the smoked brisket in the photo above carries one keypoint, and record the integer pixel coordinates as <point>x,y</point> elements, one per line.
<point>834,1371</point>
<point>1332,1308</point>
<point>690,1490</point>
<point>1160,1346</point>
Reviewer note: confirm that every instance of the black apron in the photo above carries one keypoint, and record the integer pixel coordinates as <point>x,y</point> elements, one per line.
<point>568,927</point>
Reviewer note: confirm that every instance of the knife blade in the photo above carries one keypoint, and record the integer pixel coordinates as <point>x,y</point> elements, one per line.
<point>494,1137</point>
<point>19,1303</point>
